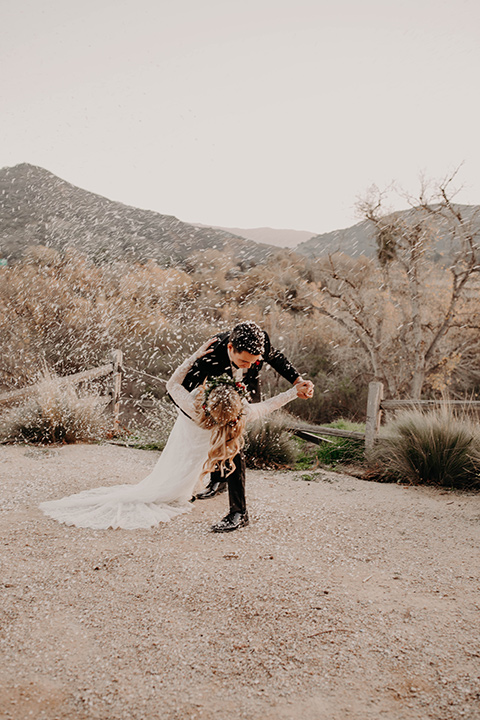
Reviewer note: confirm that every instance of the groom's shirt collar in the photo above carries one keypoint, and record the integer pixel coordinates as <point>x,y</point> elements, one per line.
<point>237,372</point>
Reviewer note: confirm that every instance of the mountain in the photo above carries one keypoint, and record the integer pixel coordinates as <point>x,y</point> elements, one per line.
<point>38,208</point>
<point>271,236</point>
<point>360,238</point>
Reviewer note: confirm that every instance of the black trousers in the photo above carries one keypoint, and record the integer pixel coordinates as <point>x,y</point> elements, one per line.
<point>236,484</point>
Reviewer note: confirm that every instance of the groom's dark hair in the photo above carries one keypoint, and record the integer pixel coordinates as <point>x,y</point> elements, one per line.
<point>248,336</point>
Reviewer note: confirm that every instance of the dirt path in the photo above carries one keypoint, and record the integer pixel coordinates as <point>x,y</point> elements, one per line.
<point>343,600</point>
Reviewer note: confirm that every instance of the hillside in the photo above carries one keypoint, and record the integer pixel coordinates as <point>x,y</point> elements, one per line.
<point>359,239</point>
<point>37,207</point>
<point>355,240</point>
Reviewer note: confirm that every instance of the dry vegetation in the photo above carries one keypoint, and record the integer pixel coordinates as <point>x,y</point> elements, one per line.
<point>69,313</point>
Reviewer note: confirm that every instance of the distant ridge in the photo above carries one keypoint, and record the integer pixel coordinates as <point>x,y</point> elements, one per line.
<point>37,207</point>
<point>271,236</point>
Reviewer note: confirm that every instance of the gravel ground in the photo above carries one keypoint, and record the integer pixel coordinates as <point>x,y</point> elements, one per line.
<point>343,600</point>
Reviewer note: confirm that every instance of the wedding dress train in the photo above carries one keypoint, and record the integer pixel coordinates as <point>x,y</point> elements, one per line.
<point>159,497</point>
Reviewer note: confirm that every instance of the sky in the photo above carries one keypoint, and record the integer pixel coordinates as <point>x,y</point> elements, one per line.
<point>259,113</point>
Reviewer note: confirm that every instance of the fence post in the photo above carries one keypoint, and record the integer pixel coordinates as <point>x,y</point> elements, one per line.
<point>374,413</point>
<point>117,362</point>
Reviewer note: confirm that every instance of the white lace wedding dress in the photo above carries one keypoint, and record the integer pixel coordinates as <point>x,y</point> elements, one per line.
<point>166,492</point>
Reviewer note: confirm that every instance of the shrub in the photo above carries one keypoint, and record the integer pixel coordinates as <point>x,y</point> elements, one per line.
<point>268,444</point>
<point>432,448</point>
<point>55,413</point>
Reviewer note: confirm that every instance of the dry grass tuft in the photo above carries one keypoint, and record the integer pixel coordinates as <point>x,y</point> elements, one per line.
<point>55,413</point>
<point>438,447</point>
<point>268,444</point>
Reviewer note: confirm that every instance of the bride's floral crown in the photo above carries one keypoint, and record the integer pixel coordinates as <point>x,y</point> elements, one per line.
<point>226,380</point>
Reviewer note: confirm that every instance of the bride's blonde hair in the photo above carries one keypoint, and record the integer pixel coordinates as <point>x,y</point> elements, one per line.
<point>221,411</point>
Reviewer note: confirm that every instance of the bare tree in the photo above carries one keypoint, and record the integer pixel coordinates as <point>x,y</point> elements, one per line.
<point>400,305</point>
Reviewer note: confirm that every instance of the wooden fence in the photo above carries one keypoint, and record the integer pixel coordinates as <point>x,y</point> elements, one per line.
<point>376,406</point>
<point>113,368</point>
<point>318,433</point>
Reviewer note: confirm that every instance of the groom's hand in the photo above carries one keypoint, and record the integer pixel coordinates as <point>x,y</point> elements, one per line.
<point>305,388</point>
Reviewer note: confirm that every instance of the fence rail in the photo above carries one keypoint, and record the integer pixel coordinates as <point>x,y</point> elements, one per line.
<point>399,404</point>
<point>316,431</point>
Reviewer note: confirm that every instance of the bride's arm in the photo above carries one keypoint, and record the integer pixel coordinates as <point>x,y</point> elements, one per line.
<point>258,410</point>
<point>177,392</point>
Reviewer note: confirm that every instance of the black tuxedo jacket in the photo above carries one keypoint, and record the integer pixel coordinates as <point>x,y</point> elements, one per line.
<point>217,363</point>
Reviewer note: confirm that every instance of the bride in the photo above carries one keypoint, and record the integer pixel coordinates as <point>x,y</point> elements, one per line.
<point>208,433</point>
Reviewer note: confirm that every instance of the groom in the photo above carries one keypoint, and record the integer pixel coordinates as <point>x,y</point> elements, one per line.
<point>240,354</point>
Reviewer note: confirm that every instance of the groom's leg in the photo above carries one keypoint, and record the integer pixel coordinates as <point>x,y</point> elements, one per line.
<point>237,516</point>
<point>236,485</point>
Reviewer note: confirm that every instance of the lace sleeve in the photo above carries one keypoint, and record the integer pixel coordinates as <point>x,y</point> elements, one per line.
<point>178,393</point>
<point>259,410</point>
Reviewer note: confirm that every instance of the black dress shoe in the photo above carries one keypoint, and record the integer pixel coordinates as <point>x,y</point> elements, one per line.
<point>213,489</point>
<point>230,522</point>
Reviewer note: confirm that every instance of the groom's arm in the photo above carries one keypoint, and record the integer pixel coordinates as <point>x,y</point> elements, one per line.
<point>279,362</point>
<point>197,374</point>
<point>284,367</point>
